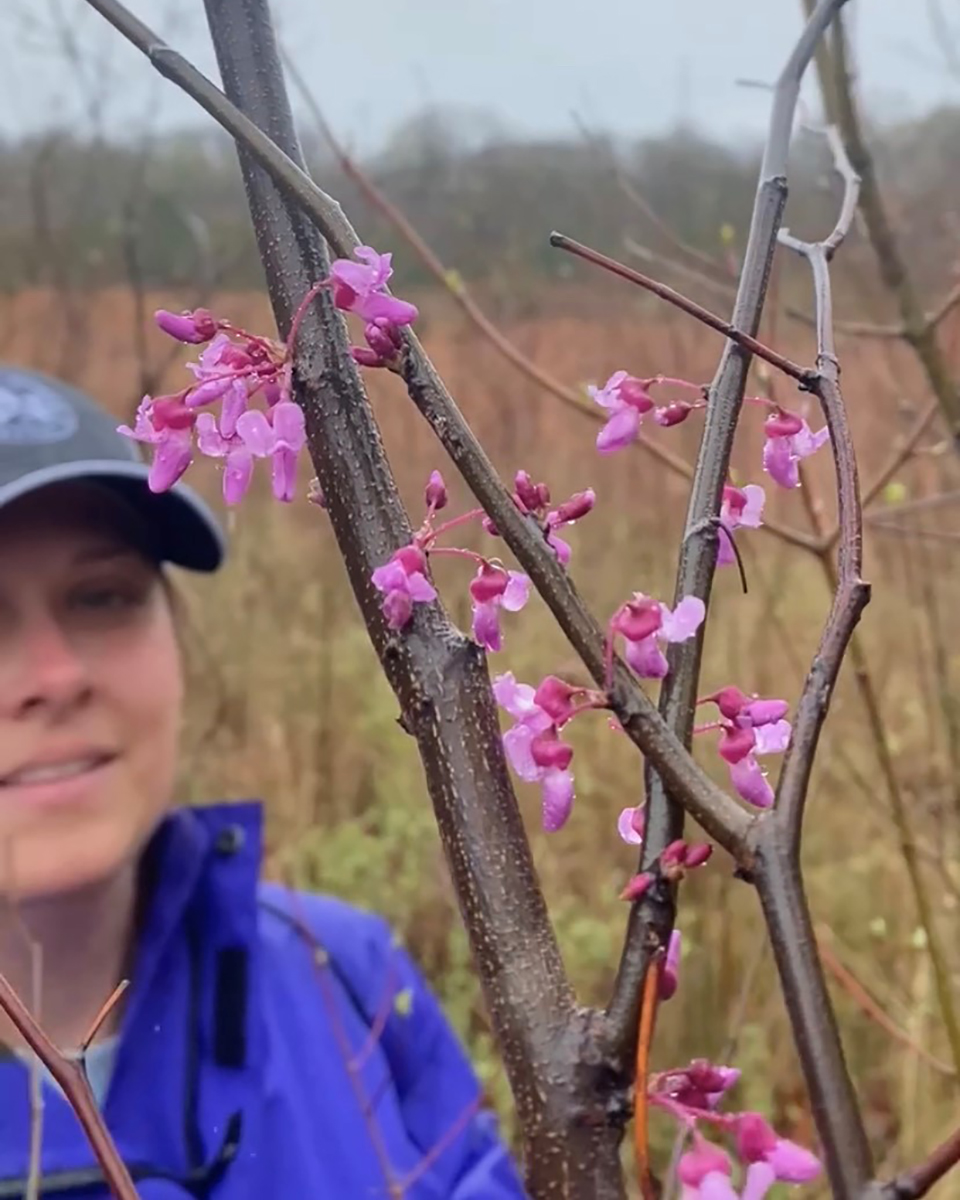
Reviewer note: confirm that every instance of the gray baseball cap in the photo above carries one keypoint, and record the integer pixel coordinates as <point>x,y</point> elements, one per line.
<point>51,433</point>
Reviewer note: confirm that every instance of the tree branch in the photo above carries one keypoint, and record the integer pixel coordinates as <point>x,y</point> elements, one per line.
<point>911,1185</point>
<point>652,919</point>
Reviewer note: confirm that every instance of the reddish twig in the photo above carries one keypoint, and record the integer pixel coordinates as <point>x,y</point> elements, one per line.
<point>803,375</point>
<point>648,1015</point>
<point>73,1083</point>
<point>911,1185</point>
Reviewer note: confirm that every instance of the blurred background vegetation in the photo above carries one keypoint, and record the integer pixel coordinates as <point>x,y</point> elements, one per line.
<point>288,700</point>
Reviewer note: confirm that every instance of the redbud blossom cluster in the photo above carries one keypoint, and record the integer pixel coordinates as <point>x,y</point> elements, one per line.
<point>248,376</point>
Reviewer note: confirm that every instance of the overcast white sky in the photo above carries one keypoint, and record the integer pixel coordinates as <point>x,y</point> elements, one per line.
<point>629,66</point>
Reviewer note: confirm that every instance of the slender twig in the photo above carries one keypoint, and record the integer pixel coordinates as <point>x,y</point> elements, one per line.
<point>911,1185</point>
<point>867,329</point>
<point>861,996</point>
<point>852,594</point>
<point>106,1009</point>
<point>35,1158</point>
<point>746,341</point>
<point>73,1084</point>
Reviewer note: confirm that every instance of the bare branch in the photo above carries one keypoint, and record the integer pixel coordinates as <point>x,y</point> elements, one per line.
<point>72,1081</point>
<point>911,1185</point>
<point>745,341</point>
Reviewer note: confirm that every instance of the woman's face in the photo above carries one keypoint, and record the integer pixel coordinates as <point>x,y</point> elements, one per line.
<point>90,693</point>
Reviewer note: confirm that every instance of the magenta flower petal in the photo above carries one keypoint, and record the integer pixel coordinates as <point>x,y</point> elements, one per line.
<point>779,463</point>
<point>752,515</point>
<point>725,552</point>
<point>620,430</point>
<point>256,432</point>
<point>517,592</point>
<point>557,796</point>
<point>209,439</point>
<point>765,712</point>
<point>486,625</point>
<point>609,395</point>
<point>773,738</point>
<point>237,473</point>
<point>283,475</point>
<point>171,458</point>
<point>397,607</point>
<point>715,1186</point>
<point>420,588</point>
<point>759,1180</point>
<point>516,745</point>
<point>646,658</point>
<point>380,306</point>
<point>630,825</point>
<point>208,391</point>
<point>560,547</point>
<point>390,577</point>
<point>684,621</point>
<point>516,698</point>
<point>705,1157</point>
<point>750,782</point>
<point>670,979</point>
<point>792,1163</point>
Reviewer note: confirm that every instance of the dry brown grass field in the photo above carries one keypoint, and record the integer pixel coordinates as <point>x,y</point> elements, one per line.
<point>289,703</point>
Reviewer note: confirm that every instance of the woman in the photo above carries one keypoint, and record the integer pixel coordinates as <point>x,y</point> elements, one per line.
<point>270,1043</point>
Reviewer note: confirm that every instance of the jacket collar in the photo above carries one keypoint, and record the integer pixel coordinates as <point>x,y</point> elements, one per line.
<point>191,1037</point>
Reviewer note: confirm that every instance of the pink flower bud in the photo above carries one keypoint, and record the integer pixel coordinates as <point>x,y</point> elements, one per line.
<point>734,499</point>
<point>766,712</point>
<point>170,412</point>
<point>670,976</point>
<point>755,1139</point>
<point>543,495</point>
<point>411,559</point>
<point>489,527</point>
<point>636,887</point>
<point>697,854</point>
<point>674,855</point>
<point>365,357</point>
<point>555,697</point>
<point>730,700</point>
<point>489,584</point>
<point>344,297</point>
<point>637,619</point>
<point>527,492</point>
<point>579,504</point>
<point>435,494</point>
<point>736,744</point>
<point>782,424</point>
<point>549,752</point>
<point>634,392</point>
<point>673,414</point>
<point>192,327</point>
<point>379,339</point>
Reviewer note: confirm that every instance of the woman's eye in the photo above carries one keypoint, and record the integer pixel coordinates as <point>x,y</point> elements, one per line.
<point>108,598</point>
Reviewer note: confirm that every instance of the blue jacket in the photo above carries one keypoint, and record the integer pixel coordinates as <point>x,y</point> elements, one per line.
<point>261,1025</point>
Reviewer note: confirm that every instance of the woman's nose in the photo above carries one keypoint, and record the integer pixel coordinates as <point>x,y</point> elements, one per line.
<point>44,671</point>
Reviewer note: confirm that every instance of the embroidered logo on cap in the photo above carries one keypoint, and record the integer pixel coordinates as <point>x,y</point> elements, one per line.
<point>31,413</point>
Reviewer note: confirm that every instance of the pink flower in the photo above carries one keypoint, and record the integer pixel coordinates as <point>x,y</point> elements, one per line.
<point>279,434</point>
<point>494,588</point>
<point>165,424</point>
<point>193,327</point>
<point>360,287</point>
<point>705,1171</point>
<point>535,751</point>
<point>789,440</point>
<point>643,622</point>
<point>435,493</point>
<point>740,507</point>
<point>238,459</point>
<point>627,400</point>
<point>758,1143</point>
<point>403,583</point>
<point>750,726</point>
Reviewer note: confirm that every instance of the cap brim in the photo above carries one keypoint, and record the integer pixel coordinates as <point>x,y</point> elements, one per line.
<point>182,529</point>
